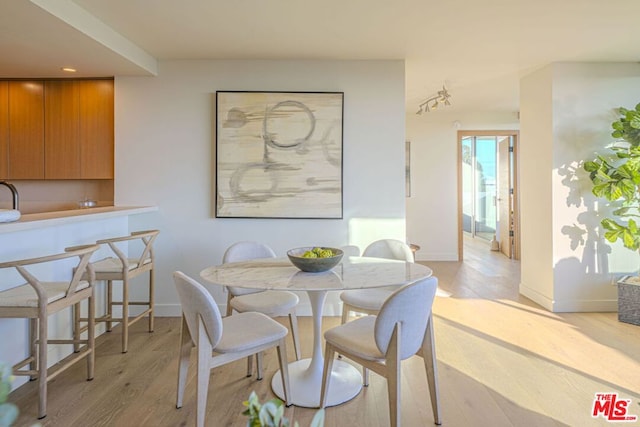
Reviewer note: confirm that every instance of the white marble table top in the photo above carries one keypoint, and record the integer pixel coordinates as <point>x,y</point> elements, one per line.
<point>280,274</point>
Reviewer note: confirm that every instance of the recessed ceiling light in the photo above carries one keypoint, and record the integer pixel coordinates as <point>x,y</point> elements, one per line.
<point>68,69</point>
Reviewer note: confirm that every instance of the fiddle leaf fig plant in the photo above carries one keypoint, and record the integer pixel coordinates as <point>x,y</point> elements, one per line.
<point>616,178</point>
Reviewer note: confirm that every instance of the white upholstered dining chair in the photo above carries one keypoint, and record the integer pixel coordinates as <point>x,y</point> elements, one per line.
<point>270,303</point>
<point>37,299</point>
<point>220,341</point>
<point>370,300</point>
<point>402,328</point>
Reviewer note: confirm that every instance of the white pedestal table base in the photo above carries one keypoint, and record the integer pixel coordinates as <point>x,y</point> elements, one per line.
<point>306,384</point>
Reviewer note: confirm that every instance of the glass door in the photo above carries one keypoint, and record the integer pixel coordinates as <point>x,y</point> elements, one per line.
<point>479,173</point>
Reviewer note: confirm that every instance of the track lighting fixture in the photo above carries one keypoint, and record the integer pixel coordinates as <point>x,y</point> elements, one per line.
<point>433,102</point>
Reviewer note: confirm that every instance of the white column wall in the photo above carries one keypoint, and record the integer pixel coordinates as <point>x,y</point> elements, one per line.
<point>575,269</point>
<point>165,136</point>
<point>536,153</point>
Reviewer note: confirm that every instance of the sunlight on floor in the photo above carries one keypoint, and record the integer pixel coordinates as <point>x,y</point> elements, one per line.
<point>540,370</point>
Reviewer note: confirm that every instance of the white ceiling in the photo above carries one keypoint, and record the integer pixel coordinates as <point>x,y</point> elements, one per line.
<point>478,48</point>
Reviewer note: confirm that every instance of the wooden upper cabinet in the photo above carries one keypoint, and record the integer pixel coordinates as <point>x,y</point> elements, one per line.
<point>56,129</point>
<point>61,118</point>
<point>4,130</point>
<point>26,130</point>
<point>96,131</point>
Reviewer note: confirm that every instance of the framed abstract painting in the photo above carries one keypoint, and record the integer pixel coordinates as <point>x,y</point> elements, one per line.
<point>279,154</point>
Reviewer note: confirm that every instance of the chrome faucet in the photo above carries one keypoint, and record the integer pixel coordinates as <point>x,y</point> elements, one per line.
<point>14,192</point>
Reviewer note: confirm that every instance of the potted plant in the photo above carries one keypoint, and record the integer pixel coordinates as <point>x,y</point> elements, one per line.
<point>616,178</point>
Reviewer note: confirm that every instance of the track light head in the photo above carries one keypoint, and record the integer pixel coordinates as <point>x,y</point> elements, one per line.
<point>433,102</point>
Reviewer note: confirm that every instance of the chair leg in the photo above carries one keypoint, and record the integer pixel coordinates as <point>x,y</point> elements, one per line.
<point>249,366</point>
<point>109,304</point>
<point>125,314</point>
<point>91,337</point>
<point>42,364</point>
<point>76,327</point>
<point>229,308</point>
<point>186,344</point>
<point>259,365</point>
<point>293,320</point>
<point>33,348</point>
<point>365,377</point>
<point>393,377</point>
<point>326,373</point>
<point>151,297</point>
<point>204,372</point>
<point>284,371</point>
<point>430,364</point>
<point>345,314</point>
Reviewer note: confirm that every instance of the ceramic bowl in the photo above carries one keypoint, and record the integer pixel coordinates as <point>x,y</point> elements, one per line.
<point>314,265</point>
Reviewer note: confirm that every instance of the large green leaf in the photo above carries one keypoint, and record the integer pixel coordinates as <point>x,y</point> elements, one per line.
<point>591,166</point>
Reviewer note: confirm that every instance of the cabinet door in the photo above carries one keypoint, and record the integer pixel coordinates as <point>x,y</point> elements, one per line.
<point>62,145</point>
<point>4,129</point>
<point>96,129</point>
<point>26,130</point>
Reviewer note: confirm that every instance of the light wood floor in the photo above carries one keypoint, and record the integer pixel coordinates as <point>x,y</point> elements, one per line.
<point>502,360</point>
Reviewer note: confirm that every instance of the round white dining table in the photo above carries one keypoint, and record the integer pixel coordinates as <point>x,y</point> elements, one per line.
<point>352,273</point>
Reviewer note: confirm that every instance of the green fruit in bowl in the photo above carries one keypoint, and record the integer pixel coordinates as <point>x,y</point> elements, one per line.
<point>309,254</point>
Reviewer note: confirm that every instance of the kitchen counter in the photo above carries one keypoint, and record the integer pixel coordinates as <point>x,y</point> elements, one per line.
<point>48,219</point>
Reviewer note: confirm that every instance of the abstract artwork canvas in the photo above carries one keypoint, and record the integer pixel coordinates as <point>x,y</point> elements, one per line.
<point>279,154</point>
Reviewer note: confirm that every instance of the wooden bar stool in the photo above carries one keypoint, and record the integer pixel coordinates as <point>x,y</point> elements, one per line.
<point>37,299</point>
<point>124,268</point>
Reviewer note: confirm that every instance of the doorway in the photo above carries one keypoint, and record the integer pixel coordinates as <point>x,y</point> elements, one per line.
<point>487,189</point>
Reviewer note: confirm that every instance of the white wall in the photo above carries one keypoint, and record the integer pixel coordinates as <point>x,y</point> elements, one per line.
<point>536,151</point>
<point>165,136</point>
<point>574,270</point>
<point>432,209</point>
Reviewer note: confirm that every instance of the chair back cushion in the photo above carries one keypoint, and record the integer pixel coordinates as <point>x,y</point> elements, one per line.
<point>390,249</point>
<point>245,251</point>
<point>410,306</point>
<point>197,301</point>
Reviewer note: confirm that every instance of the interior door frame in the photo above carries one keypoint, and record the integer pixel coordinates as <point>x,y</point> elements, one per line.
<point>516,199</point>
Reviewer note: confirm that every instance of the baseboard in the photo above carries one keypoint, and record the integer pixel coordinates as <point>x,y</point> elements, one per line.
<point>536,297</point>
<point>569,306</point>
<point>436,256</point>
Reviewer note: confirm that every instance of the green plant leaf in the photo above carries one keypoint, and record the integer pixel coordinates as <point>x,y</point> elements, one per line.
<point>591,166</point>
<point>318,419</point>
<point>627,188</point>
<point>629,239</point>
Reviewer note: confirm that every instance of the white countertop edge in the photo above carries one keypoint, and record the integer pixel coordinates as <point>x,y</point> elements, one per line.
<point>48,219</point>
